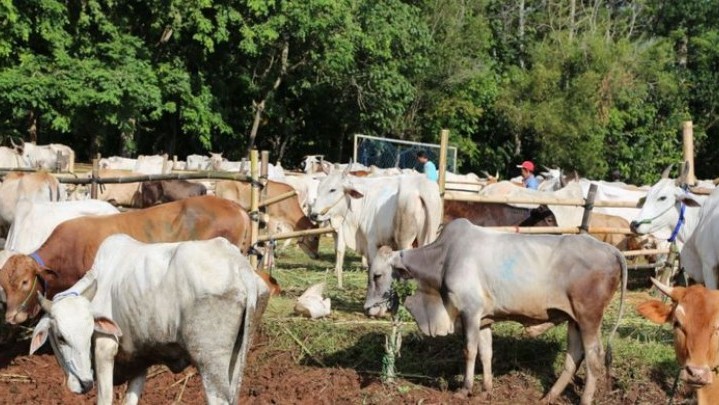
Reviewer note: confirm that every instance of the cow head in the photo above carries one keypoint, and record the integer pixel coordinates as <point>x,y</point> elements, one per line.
<point>216,160</point>
<point>661,206</point>
<point>19,278</point>
<point>70,325</point>
<point>386,266</point>
<point>333,195</point>
<point>694,314</point>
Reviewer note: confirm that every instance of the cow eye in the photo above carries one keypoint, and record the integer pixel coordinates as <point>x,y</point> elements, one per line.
<point>662,198</point>
<point>333,190</point>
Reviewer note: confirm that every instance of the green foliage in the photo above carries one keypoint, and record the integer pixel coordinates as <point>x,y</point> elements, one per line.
<point>590,88</point>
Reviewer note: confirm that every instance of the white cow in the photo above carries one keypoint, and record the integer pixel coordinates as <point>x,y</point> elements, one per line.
<point>154,164</point>
<point>34,221</point>
<point>168,303</point>
<point>117,163</point>
<point>45,156</point>
<point>662,209</point>
<point>367,213</point>
<point>700,255</point>
<point>198,162</point>
<point>11,159</point>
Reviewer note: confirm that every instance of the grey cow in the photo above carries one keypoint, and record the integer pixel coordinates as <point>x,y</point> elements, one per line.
<point>474,276</point>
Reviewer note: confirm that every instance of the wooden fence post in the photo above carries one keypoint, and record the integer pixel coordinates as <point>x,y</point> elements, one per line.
<point>254,204</point>
<point>95,176</point>
<point>588,206</point>
<point>443,143</point>
<point>58,162</point>
<point>688,150</point>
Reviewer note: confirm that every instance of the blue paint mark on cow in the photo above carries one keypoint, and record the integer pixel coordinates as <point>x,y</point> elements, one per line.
<point>507,269</point>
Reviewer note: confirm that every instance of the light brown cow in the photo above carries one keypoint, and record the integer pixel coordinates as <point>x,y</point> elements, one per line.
<point>126,194</point>
<point>598,220</point>
<point>37,187</point>
<point>287,211</point>
<point>694,313</point>
<point>69,251</point>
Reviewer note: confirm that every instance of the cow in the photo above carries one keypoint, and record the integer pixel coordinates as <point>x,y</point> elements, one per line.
<point>36,187</point>
<point>474,277</point>
<point>287,211</point>
<point>490,214</point>
<point>694,313</point>
<point>45,156</point>
<point>34,222</point>
<point>11,159</point>
<point>700,255</point>
<point>369,212</point>
<point>126,194</point>
<point>117,163</point>
<point>163,191</point>
<point>68,252</point>
<point>153,164</point>
<point>668,210</point>
<point>198,162</point>
<point>146,304</point>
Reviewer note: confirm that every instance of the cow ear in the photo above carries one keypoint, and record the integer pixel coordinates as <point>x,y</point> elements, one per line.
<point>655,311</point>
<point>89,291</point>
<point>689,199</point>
<point>40,334</point>
<point>107,326</point>
<point>352,191</point>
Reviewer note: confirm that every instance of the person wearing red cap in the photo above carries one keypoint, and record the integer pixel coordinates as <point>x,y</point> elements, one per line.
<point>528,178</point>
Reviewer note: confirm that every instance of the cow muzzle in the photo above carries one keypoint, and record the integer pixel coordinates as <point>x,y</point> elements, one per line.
<point>634,225</point>
<point>697,376</point>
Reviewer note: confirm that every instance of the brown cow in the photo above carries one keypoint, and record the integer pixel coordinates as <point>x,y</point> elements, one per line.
<point>489,214</point>
<point>695,314</point>
<point>618,240</point>
<point>287,211</point>
<point>164,191</point>
<point>37,187</point>
<point>69,251</point>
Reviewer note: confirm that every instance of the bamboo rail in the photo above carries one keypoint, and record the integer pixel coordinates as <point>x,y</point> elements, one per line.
<point>295,234</point>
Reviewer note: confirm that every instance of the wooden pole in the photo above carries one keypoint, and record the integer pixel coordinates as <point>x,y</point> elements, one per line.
<point>296,234</point>
<point>58,161</point>
<point>264,172</point>
<point>278,198</point>
<point>455,196</point>
<point>444,140</point>
<point>557,230</point>
<point>95,176</point>
<point>588,207</point>
<point>688,150</point>
<point>254,203</point>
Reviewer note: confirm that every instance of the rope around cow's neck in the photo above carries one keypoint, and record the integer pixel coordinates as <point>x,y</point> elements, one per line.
<point>23,305</point>
<point>326,209</point>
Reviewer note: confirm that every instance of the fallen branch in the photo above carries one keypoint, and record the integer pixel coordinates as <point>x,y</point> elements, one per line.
<point>15,378</point>
<point>304,348</point>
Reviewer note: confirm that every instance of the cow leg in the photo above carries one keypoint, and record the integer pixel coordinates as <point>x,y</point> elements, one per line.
<point>575,354</point>
<point>340,257</point>
<point>485,354</point>
<point>593,350</point>
<point>105,351</point>
<point>135,388</point>
<point>472,340</point>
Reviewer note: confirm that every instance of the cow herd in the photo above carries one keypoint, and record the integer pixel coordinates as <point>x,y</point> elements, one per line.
<point>169,283</point>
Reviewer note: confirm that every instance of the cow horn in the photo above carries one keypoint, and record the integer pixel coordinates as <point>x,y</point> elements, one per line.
<point>348,168</point>
<point>45,303</point>
<point>90,290</point>
<point>665,289</point>
<point>665,173</point>
<point>683,173</point>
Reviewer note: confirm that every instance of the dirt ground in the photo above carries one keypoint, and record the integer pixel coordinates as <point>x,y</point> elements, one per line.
<point>276,377</point>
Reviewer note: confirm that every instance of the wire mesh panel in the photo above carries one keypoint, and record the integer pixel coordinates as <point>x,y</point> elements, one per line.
<point>385,152</point>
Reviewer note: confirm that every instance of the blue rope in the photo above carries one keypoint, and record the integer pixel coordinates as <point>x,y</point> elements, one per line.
<point>680,222</point>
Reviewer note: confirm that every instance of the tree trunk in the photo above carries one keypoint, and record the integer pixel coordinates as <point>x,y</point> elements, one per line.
<point>128,138</point>
<point>520,34</point>
<point>259,107</point>
<point>32,125</point>
<point>572,19</point>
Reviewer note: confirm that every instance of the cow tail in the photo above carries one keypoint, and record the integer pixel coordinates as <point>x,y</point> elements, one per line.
<point>251,282</point>
<point>608,354</point>
<point>431,204</point>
